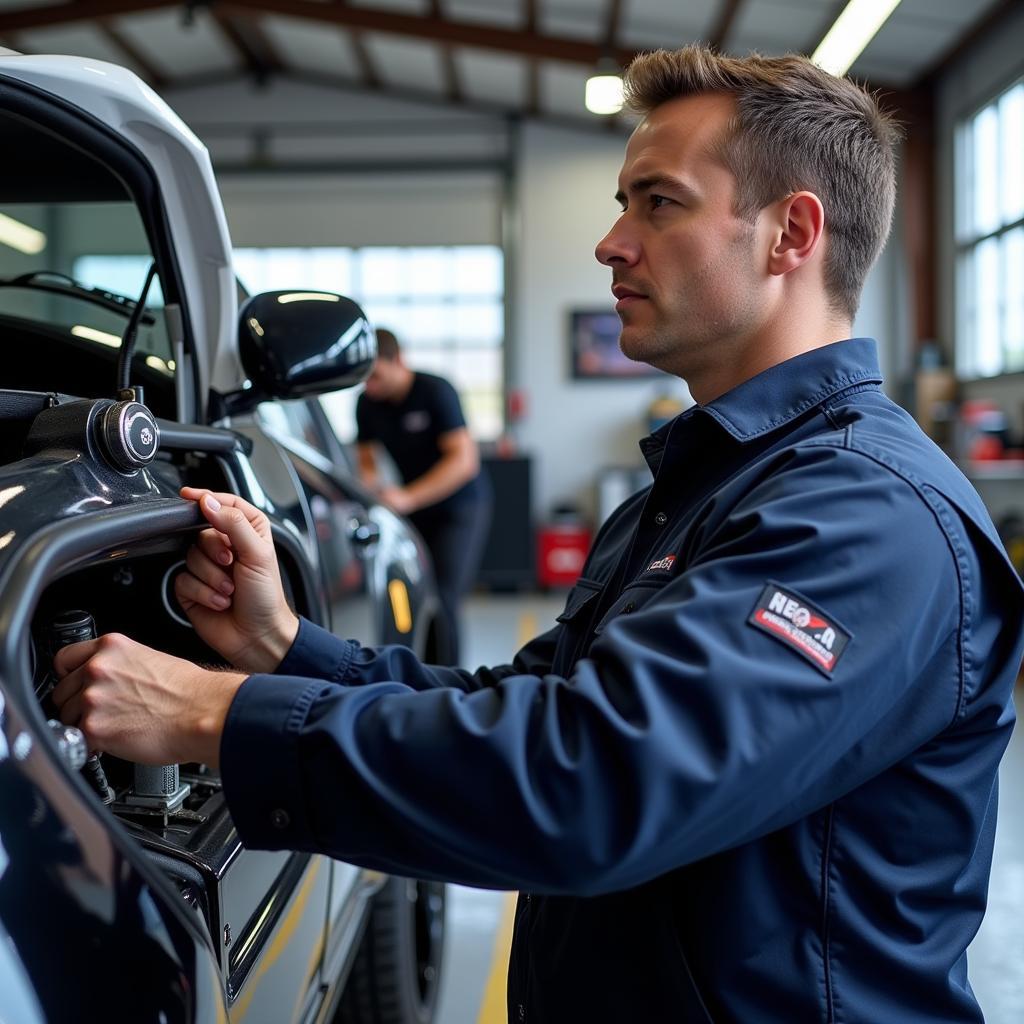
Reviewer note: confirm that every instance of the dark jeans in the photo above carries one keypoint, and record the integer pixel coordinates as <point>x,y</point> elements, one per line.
<point>456,542</point>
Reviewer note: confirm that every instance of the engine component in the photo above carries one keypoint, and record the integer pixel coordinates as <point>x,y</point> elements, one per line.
<point>71,748</point>
<point>158,786</point>
<point>128,435</point>
<point>68,628</point>
<point>124,434</point>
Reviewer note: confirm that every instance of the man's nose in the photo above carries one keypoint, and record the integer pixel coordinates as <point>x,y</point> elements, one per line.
<point>617,248</point>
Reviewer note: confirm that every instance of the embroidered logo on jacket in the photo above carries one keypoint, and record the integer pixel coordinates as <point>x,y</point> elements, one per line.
<point>662,563</point>
<point>798,624</point>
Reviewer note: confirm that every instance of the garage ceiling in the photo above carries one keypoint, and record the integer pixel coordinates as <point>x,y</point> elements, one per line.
<point>522,56</point>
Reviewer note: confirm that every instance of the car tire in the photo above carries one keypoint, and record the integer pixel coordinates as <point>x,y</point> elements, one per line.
<point>397,971</point>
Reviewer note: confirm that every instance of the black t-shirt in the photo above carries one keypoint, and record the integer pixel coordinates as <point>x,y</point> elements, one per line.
<point>409,431</point>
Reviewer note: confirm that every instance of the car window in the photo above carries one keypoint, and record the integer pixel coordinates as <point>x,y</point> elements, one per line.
<point>52,273</point>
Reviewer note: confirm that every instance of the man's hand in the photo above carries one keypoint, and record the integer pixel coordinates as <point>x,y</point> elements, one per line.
<point>232,590</point>
<point>141,704</point>
<point>397,499</point>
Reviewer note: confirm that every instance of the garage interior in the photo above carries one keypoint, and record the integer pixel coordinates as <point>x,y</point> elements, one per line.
<point>434,160</point>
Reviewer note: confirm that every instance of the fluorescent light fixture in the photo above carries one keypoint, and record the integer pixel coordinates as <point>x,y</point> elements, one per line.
<point>604,94</point>
<point>20,236</point>
<point>91,334</point>
<point>847,39</point>
<point>307,297</point>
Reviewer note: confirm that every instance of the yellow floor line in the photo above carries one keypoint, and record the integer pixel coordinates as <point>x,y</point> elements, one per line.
<point>527,628</point>
<point>493,1007</point>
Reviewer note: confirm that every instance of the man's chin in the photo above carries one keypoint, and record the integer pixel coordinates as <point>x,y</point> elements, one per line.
<point>635,344</point>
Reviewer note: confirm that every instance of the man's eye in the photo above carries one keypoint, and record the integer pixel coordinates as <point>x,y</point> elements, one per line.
<point>659,201</point>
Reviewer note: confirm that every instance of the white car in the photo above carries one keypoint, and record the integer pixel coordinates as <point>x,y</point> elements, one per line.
<point>125,894</point>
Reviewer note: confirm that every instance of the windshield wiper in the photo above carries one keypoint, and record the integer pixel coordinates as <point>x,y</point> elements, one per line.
<point>61,284</point>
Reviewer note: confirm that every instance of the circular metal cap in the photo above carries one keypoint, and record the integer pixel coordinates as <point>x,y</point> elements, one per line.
<point>71,746</point>
<point>129,436</point>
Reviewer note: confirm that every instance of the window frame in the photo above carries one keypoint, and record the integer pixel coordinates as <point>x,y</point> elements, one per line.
<point>968,241</point>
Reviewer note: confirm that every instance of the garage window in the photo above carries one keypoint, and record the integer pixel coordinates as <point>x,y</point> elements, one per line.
<point>445,304</point>
<point>990,238</point>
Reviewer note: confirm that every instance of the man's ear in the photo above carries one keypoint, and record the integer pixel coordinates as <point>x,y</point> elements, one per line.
<point>798,226</point>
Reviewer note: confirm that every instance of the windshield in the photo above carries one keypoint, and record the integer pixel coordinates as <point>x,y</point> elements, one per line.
<point>71,240</point>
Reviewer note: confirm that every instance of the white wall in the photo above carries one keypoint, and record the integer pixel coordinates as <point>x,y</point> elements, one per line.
<point>565,184</point>
<point>357,210</point>
<point>295,123</point>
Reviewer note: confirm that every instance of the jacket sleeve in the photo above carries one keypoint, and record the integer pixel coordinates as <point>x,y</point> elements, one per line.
<point>318,654</point>
<point>687,729</point>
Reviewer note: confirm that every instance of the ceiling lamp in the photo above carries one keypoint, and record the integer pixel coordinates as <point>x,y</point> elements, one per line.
<point>847,39</point>
<point>604,88</point>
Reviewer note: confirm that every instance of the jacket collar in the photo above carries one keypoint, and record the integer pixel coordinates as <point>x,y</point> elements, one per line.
<point>780,394</point>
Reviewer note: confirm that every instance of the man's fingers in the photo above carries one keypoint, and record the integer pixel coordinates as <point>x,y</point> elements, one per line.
<point>70,712</point>
<point>215,546</point>
<point>68,688</point>
<point>206,572</point>
<point>69,658</point>
<point>190,590</point>
<point>245,526</point>
<point>226,500</point>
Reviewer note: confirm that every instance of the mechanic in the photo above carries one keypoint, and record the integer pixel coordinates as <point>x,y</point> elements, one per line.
<point>750,775</point>
<point>417,419</point>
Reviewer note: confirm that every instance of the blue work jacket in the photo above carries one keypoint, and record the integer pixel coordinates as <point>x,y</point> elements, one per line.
<point>750,775</point>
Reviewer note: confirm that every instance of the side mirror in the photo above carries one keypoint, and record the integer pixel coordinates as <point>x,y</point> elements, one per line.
<point>296,344</point>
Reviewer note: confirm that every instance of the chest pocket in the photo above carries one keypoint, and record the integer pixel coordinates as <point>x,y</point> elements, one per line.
<point>580,598</point>
<point>631,600</point>
<point>575,619</point>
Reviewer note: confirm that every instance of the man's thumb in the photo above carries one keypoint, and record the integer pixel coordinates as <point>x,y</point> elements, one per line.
<point>235,525</point>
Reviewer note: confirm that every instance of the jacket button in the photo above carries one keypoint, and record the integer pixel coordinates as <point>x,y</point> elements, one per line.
<point>627,608</point>
<point>279,818</point>
<point>661,519</point>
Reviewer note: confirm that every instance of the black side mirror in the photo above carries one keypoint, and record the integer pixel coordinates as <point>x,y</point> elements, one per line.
<point>296,344</point>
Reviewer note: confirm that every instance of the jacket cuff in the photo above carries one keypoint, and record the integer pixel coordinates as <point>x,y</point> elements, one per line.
<point>317,654</point>
<point>259,761</point>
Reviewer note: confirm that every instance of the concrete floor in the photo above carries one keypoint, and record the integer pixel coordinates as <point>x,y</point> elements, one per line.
<point>479,923</point>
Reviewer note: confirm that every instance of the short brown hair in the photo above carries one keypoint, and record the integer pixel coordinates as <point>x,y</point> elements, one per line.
<point>796,127</point>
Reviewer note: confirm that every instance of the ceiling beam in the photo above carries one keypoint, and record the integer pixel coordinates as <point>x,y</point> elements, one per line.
<point>532,107</point>
<point>584,122</point>
<point>248,40</point>
<point>368,76</point>
<point>611,26</point>
<point>77,10</point>
<point>436,29</point>
<point>429,27</point>
<point>725,22</point>
<point>157,79</point>
<point>449,69</point>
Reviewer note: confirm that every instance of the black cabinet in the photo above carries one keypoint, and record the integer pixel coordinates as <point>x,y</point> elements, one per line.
<point>508,558</point>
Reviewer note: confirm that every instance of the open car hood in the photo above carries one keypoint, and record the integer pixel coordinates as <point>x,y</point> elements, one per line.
<point>184,175</point>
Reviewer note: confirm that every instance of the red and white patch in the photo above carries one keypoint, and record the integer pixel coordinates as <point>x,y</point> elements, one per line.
<point>662,563</point>
<point>792,619</point>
